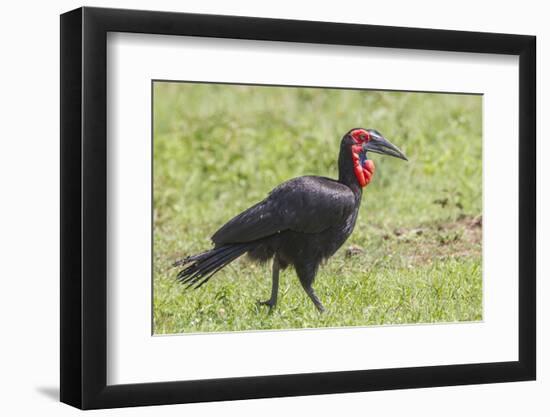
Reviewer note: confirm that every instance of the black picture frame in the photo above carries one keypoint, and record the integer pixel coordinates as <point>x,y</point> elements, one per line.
<point>84,207</point>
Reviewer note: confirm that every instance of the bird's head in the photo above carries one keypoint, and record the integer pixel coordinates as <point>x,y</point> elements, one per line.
<point>360,141</point>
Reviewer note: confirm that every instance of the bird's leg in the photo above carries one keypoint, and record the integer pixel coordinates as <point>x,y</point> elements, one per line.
<point>307,273</point>
<point>274,285</point>
<point>311,293</point>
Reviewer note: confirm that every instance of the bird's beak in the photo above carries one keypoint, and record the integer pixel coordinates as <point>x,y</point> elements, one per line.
<point>379,144</point>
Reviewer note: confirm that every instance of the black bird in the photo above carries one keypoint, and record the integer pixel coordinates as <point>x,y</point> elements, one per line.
<point>302,222</point>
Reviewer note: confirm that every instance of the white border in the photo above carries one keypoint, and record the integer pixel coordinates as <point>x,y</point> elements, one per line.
<point>134,356</point>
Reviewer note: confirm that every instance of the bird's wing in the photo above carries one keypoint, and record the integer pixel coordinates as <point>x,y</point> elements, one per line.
<point>304,204</point>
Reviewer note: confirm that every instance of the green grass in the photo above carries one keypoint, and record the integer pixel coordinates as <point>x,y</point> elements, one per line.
<point>415,254</point>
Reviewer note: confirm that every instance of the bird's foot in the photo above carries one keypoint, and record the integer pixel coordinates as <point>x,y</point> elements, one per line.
<point>270,303</point>
<point>320,308</point>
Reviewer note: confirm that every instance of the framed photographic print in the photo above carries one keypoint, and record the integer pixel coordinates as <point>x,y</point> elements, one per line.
<point>258,207</point>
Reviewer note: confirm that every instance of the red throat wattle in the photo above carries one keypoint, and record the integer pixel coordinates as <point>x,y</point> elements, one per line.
<point>363,172</point>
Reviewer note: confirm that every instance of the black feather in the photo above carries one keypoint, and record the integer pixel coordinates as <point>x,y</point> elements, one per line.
<point>201,267</point>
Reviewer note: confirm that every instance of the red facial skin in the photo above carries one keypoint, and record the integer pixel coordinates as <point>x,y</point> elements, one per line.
<point>365,172</point>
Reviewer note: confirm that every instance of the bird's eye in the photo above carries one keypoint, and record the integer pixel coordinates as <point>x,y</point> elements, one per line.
<point>360,136</point>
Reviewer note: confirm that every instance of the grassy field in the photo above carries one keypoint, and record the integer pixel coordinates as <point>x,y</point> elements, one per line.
<point>415,254</point>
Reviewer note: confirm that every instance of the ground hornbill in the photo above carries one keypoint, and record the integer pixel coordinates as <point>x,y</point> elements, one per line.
<point>301,222</point>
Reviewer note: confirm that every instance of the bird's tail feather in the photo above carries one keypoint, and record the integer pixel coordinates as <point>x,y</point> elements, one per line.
<point>201,267</point>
